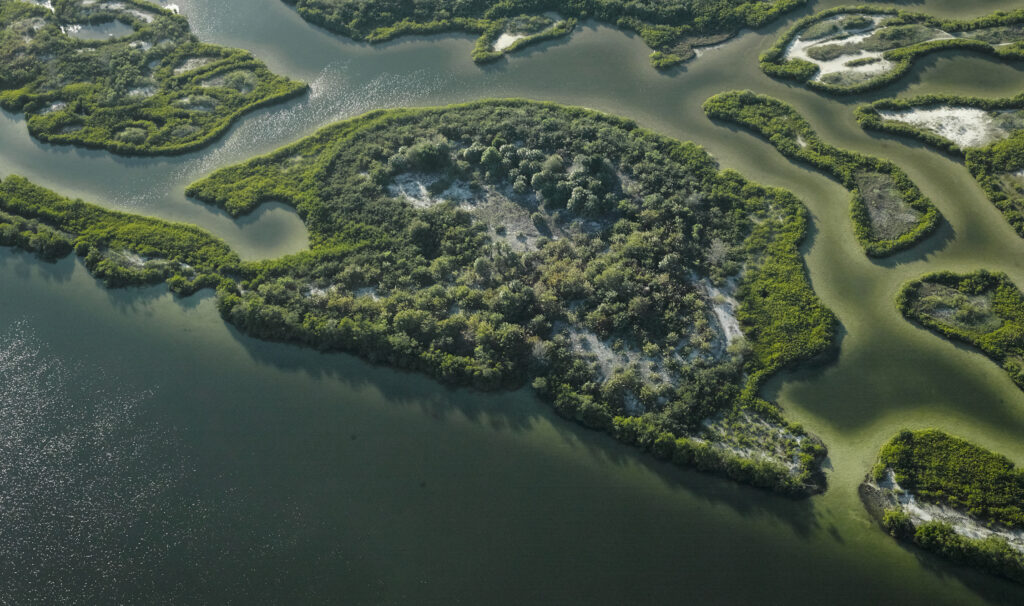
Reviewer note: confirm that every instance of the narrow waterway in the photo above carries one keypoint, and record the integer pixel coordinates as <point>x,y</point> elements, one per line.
<point>193,464</point>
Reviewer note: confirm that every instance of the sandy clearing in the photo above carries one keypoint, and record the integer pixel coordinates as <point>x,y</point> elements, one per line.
<point>798,50</point>
<point>964,525</point>
<point>965,126</point>
<point>506,40</point>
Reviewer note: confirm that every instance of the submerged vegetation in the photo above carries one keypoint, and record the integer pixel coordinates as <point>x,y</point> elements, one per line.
<point>854,49</point>
<point>889,212</point>
<point>987,133</point>
<point>950,497</point>
<point>638,289</point>
<point>983,309</point>
<point>672,28</point>
<point>154,90</point>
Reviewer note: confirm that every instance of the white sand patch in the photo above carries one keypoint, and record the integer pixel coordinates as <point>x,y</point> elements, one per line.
<point>174,8</point>
<point>53,107</point>
<point>315,292</point>
<point>312,291</point>
<point>800,141</point>
<point>142,16</point>
<point>798,50</point>
<point>964,525</point>
<point>866,63</point>
<point>142,91</point>
<point>198,103</point>
<point>506,40</point>
<point>191,64</point>
<point>701,50</point>
<point>47,4</point>
<point>367,291</point>
<point>724,306</point>
<point>414,188</point>
<point>965,126</point>
<point>609,360</point>
<point>129,258</point>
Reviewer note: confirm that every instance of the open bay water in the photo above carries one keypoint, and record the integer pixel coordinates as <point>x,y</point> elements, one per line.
<point>151,453</point>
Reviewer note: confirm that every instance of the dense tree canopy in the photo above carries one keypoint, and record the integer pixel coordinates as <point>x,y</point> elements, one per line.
<point>154,90</point>
<point>635,286</point>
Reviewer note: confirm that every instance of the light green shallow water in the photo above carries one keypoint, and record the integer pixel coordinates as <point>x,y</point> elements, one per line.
<point>235,470</point>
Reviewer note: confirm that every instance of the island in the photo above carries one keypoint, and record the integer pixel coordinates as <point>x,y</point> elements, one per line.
<point>853,49</point>
<point>950,497</point>
<point>888,211</point>
<point>987,133</point>
<point>672,28</point>
<point>635,286</point>
<point>125,76</point>
<point>983,309</point>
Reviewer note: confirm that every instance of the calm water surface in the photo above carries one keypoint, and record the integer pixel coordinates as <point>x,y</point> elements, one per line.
<point>151,453</point>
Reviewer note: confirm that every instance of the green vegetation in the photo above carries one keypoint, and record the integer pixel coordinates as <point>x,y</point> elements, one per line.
<point>974,500</point>
<point>508,242</point>
<point>994,156</point>
<point>981,308</point>
<point>156,90</point>
<point>889,212</point>
<point>502,243</point>
<point>852,49</point>
<point>671,27</point>
<point>119,248</point>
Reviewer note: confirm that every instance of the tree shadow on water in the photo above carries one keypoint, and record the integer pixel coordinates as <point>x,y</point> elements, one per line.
<point>24,263</point>
<point>520,411</point>
<point>933,244</point>
<point>992,589</point>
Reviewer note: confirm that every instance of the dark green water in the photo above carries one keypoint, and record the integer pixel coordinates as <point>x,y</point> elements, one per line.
<point>163,457</point>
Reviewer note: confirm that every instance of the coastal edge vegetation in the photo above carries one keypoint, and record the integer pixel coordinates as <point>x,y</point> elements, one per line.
<point>637,288</point>
<point>672,28</point>
<point>950,497</point>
